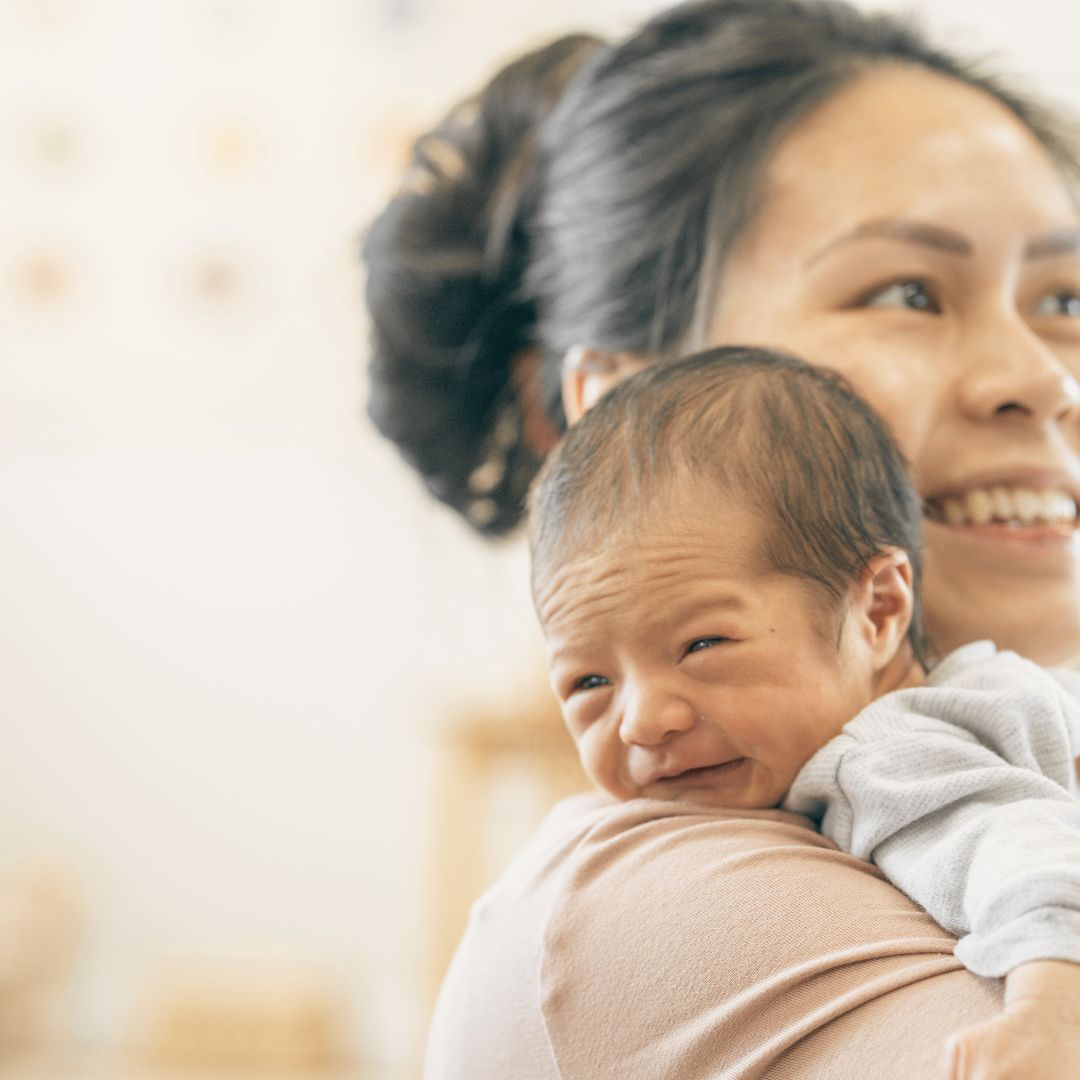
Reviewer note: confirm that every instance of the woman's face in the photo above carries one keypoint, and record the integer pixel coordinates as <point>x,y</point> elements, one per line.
<point>915,236</point>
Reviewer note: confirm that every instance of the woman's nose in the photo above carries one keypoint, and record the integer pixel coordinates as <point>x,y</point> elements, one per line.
<point>652,715</point>
<point>1014,371</point>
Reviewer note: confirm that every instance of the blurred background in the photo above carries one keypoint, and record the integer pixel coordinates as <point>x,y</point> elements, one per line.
<point>270,717</point>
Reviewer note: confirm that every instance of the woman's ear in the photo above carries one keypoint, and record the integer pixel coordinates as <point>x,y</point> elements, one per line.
<point>588,374</point>
<point>885,604</point>
<point>537,430</point>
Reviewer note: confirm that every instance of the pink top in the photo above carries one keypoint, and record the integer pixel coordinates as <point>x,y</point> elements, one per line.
<point>654,939</point>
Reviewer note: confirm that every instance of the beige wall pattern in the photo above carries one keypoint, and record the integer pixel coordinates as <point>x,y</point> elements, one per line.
<point>229,621</point>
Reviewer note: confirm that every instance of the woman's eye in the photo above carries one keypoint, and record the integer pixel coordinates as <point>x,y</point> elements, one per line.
<point>1065,303</point>
<point>913,295</point>
<point>698,644</point>
<point>590,682</point>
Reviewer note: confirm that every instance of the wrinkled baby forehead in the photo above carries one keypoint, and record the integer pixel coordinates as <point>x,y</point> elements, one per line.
<point>660,529</point>
<point>641,572</point>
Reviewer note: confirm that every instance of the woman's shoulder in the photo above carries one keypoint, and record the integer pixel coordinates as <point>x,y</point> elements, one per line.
<point>592,841</point>
<point>652,938</point>
<point>753,931</point>
<point>600,843</point>
<point>616,861</point>
<point>602,820</point>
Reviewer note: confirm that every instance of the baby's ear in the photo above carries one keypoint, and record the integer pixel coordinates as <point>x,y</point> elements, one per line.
<point>885,599</point>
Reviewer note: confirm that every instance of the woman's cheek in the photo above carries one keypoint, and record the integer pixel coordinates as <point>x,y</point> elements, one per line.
<point>903,374</point>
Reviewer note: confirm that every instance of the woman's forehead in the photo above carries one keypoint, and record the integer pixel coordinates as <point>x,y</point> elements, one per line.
<point>906,141</point>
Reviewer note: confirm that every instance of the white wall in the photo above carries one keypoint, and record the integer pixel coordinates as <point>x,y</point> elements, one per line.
<point>228,618</point>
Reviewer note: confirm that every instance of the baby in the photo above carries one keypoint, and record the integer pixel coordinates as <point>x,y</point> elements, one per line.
<point>726,555</point>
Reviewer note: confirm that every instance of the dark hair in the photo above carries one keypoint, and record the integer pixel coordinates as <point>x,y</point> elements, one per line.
<point>590,195</point>
<point>792,442</point>
<point>444,262</point>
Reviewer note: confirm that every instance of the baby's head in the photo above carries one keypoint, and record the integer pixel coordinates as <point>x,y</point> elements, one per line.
<point>726,556</point>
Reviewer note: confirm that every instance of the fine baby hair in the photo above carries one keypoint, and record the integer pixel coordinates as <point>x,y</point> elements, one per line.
<point>589,195</point>
<point>789,441</point>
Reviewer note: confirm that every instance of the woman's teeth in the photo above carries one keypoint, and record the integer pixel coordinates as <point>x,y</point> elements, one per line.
<point>1016,506</point>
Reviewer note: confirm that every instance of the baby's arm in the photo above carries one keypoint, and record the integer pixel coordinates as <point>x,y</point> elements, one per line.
<point>962,792</point>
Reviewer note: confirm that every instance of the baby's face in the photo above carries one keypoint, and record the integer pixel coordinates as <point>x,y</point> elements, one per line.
<point>684,671</point>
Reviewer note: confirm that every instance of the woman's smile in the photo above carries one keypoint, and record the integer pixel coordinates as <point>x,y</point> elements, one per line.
<point>1020,513</point>
<point>1019,508</point>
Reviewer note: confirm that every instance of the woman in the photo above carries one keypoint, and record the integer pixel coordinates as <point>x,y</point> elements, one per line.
<point>784,174</point>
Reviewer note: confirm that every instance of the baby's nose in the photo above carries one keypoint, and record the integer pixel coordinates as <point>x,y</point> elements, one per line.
<point>652,715</point>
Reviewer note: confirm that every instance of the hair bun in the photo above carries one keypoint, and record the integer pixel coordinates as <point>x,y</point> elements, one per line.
<point>444,265</point>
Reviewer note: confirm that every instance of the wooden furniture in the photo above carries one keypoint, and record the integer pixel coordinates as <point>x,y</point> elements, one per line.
<point>497,775</point>
<point>243,1022</point>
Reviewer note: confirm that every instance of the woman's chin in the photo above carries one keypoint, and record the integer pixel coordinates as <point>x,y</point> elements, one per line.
<point>1019,587</point>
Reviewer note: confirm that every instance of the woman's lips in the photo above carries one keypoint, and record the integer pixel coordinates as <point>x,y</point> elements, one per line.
<point>1032,516</point>
<point>1022,534</point>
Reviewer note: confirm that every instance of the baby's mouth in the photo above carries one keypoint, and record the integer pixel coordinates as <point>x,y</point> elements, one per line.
<point>704,773</point>
<point>1016,507</point>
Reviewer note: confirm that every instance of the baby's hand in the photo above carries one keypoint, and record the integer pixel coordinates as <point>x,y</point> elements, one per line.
<point>1024,1043</point>
<point>1037,1036</point>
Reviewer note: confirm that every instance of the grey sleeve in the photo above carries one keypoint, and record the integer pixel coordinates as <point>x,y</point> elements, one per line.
<point>963,792</point>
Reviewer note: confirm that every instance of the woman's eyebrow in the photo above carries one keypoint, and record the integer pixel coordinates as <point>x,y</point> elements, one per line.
<point>1060,242</point>
<point>905,229</point>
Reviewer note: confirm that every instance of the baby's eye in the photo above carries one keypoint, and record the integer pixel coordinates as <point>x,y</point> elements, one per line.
<point>590,682</point>
<point>913,294</point>
<point>1064,303</point>
<point>698,644</point>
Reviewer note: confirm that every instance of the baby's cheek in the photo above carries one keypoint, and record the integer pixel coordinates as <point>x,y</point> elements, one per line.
<point>606,766</point>
<point>782,760</point>
<point>594,755</point>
